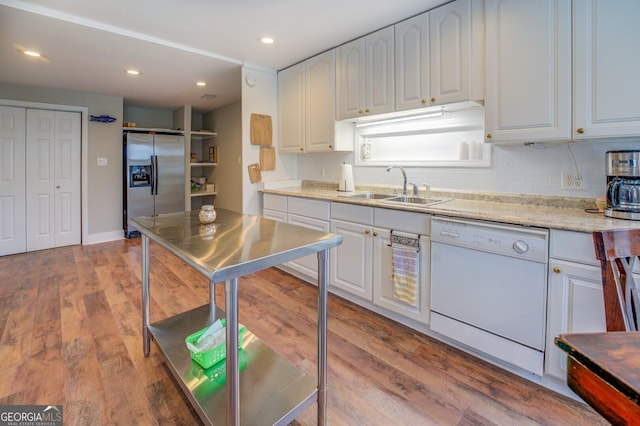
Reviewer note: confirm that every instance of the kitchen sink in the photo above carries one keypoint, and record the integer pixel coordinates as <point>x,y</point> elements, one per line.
<point>369,196</point>
<point>404,199</point>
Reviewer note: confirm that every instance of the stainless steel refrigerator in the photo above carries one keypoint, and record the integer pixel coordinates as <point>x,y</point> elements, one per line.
<point>154,177</point>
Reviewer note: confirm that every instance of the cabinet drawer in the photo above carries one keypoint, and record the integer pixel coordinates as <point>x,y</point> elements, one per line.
<point>572,246</point>
<point>417,223</point>
<point>317,209</point>
<point>274,202</point>
<point>352,213</point>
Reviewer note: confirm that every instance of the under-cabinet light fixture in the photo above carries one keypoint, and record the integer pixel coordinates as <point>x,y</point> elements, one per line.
<point>267,40</point>
<point>133,72</point>
<point>201,83</point>
<point>32,53</point>
<point>398,119</point>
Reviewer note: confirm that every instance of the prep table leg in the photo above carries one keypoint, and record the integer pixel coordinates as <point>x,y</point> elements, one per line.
<point>233,375</point>
<point>212,302</point>
<point>146,336</point>
<point>323,274</point>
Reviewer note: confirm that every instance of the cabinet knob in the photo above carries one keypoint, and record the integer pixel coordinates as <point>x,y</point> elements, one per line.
<point>366,111</point>
<point>423,101</point>
<point>375,234</point>
<point>366,232</point>
<point>433,99</point>
<point>330,146</point>
<point>488,135</point>
<point>360,111</point>
<point>301,149</point>
<point>580,130</point>
<point>556,269</point>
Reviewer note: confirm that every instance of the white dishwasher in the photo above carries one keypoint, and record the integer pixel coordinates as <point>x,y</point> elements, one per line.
<point>488,288</point>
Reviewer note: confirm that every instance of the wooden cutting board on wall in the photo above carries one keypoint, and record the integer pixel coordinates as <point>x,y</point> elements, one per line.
<point>261,129</point>
<point>254,173</point>
<point>267,158</point>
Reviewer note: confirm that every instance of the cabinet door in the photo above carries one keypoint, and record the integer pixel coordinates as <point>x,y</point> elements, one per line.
<point>528,71</point>
<point>450,52</point>
<point>275,215</point>
<point>350,79</point>
<point>320,102</point>
<point>412,63</point>
<point>575,305</point>
<point>291,109</point>
<point>307,265</point>
<point>383,278</point>
<point>606,89</point>
<point>351,261</point>
<point>379,72</point>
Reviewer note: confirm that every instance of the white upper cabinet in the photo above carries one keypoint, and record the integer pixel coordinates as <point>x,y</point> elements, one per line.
<point>365,75</point>
<point>306,108</point>
<point>453,29</point>
<point>291,109</point>
<point>528,72</point>
<point>440,56</point>
<point>412,62</point>
<point>605,81</point>
<point>320,91</point>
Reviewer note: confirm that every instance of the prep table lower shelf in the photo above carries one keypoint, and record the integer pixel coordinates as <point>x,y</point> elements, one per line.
<point>272,390</point>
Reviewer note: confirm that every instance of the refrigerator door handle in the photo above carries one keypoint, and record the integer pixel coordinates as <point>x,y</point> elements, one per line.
<point>153,175</point>
<point>156,172</point>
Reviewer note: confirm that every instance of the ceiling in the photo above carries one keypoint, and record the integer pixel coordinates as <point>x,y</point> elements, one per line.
<point>87,46</point>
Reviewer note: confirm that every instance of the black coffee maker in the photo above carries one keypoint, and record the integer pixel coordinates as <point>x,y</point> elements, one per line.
<point>623,185</point>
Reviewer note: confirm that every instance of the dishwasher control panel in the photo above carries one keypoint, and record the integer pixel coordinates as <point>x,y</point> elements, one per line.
<point>508,240</point>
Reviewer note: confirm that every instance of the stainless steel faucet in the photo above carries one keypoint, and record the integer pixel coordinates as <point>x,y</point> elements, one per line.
<point>404,176</point>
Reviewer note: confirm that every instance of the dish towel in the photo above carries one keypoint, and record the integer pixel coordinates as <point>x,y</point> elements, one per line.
<point>405,251</point>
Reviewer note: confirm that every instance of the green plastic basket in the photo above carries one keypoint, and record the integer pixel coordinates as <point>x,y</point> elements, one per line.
<point>212,357</point>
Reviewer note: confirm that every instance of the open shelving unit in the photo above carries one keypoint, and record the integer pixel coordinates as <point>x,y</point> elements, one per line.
<point>197,142</point>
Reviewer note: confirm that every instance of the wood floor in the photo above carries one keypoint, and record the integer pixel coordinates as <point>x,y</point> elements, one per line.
<point>70,334</point>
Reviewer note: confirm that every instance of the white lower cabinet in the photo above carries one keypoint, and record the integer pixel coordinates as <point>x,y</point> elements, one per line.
<point>574,300</point>
<point>313,214</point>
<point>308,265</point>
<point>351,261</point>
<point>362,265</point>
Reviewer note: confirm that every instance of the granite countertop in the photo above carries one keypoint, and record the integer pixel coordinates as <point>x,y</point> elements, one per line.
<point>528,210</point>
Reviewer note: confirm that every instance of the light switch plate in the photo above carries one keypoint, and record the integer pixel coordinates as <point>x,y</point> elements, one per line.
<point>102,161</point>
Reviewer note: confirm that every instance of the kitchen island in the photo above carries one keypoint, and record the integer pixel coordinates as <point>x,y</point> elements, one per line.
<point>259,386</point>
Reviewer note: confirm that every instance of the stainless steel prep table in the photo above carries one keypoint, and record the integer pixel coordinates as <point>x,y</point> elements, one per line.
<point>268,390</point>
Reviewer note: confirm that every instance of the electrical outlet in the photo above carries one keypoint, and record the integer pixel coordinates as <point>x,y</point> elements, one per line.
<point>573,182</point>
<point>321,172</point>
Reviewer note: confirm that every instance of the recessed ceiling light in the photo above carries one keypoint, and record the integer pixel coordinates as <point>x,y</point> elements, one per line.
<point>133,72</point>
<point>31,53</point>
<point>267,40</point>
<point>201,83</point>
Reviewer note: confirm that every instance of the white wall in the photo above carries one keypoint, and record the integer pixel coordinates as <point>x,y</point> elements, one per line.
<point>262,98</point>
<point>514,169</point>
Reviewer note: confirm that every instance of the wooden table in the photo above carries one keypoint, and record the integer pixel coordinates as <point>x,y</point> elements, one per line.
<point>604,370</point>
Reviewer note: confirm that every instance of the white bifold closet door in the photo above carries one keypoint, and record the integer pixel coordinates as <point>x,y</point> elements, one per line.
<point>13,236</point>
<point>52,179</point>
<point>39,179</point>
